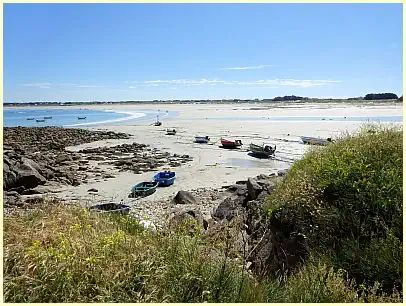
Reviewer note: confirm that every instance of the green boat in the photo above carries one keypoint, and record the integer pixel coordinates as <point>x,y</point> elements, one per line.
<point>143,189</point>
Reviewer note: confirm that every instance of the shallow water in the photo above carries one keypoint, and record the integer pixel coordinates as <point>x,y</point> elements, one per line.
<point>68,117</point>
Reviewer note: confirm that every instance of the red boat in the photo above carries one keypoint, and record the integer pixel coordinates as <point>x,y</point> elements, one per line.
<point>230,144</point>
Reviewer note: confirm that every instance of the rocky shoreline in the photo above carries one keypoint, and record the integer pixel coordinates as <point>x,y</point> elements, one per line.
<point>35,160</point>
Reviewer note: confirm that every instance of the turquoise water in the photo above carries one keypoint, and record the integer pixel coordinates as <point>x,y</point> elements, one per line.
<point>69,117</point>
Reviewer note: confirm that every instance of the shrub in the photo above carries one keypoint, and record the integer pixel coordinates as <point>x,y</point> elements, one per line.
<point>348,197</point>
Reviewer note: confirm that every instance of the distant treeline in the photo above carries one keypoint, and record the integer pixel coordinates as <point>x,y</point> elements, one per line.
<point>371,96</point>
<point>381,96</point>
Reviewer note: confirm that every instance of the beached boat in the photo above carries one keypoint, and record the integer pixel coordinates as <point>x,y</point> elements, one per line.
<point>111,208</point>
<point>30,118</point>
<point>315,141</point>
<point>143,189</point>
<point>157,122</point>
<point>202,139</point>
<point>81,118</point>
<point>48,117</point>
<point>40,120</point>
<point>230,144</point>
<point>262,150</point>
<point>165,178</point>
<point>170,132</point>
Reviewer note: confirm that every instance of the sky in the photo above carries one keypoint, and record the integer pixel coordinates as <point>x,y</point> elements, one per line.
<point>120,52</point>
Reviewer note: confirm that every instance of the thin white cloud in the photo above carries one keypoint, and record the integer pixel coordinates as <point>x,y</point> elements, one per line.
<point>132,86</point>
<point>247,67</point>
<point>262,83</point>
<point>40,85</point>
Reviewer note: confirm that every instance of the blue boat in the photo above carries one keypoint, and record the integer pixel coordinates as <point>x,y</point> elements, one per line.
<point>165,178</point>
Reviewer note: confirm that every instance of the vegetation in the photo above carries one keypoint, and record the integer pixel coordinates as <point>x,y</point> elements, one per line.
<point>380,96</point>
<point>347,199</point>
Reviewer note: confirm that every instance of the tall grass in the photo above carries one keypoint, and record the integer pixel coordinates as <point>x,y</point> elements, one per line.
<point>348,197</point>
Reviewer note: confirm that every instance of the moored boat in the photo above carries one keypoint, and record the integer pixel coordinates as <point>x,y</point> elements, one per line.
<point>262,150</point>
<point>171,132</point>
<point>81,118</point>
<point>111,208</point>
<point>40,120</point>
<point>48,117</point>
<point>315,140</point>
<point>30,118</point>
<point>230,144</point>
<point>202,139</point>
<point>165,178</point>
<point>143,189</point>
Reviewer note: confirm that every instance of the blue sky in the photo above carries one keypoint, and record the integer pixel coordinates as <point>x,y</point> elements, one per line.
<point>113,52</point>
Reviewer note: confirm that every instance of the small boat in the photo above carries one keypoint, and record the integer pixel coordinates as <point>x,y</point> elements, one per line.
<point>157,122</point>
<point>48,117</point>
<point>81,118</point>
<point>165,178</point>
<point>315,141</point>
<point>143,189</point>
<point>262,150</point>
<point>202,139</point>
<point>170,132</point>
<point>111,208</point>
<point>40,120</point>
<point>230,144</point>
<point>30,118</point>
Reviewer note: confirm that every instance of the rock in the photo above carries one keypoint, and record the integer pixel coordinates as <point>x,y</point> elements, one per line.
<point>254,189</point>
<point>184,197</point>
<point>230,207</point>
<point>188,220</point>
<point>63,158</point>
<point>27,176</point>
<point>276,252</point>
<point>93,190</point>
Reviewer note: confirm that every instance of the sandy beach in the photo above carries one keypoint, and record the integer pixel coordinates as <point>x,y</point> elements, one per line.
<point>213,166</point>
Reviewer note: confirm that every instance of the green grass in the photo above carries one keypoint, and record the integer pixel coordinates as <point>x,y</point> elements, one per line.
<point>348,197</point>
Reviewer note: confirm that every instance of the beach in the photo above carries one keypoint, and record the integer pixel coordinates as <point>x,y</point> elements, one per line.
<point>212,167</point>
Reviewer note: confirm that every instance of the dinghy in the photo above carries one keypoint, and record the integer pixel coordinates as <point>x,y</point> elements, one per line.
<point>165,178</point>
<point>230,144</point>
<point>262,150</point>
<point>170,132</point>
<point>202,139</point>
<point>143,189</point>
<point>315,141</point>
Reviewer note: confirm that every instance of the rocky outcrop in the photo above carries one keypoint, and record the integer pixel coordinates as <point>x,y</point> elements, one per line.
<point>189,220</point>
<point>184,197</point>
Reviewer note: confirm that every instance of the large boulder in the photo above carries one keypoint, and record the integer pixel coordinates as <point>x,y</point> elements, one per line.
<point>254,189</point>
<point>230,207</point>
<point>27,175</point>
<point>184,197</point>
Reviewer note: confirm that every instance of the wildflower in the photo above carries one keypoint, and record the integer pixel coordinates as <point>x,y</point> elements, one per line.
<point>89,226</point>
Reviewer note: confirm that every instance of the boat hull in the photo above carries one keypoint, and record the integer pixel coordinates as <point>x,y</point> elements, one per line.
<point>201,139</point>
<point>315,141</point>
<point>143,189</point>
<point>231,144</point>
<point>265,150</point>
<point>166,178</point>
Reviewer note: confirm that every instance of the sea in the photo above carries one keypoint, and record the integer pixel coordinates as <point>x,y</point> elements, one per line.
<point>69,117</point>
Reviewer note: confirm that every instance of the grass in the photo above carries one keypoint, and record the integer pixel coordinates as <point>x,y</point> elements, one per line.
<point>348,197</point>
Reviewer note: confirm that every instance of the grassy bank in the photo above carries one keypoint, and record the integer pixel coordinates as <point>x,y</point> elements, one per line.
<point>346,198</point>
